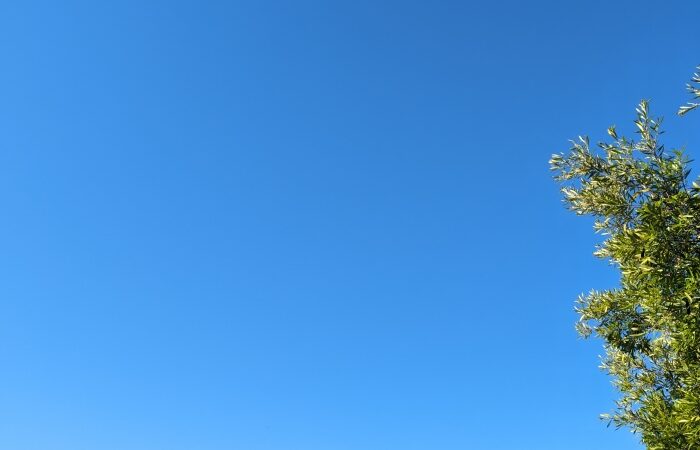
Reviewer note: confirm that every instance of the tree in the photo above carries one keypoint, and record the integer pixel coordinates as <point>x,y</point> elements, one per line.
<point>639,196</point>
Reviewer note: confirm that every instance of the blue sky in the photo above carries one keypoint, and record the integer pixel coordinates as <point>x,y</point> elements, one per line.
<point>311,225</point>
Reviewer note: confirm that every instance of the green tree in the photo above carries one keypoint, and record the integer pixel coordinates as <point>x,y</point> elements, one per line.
<point>639,196</point>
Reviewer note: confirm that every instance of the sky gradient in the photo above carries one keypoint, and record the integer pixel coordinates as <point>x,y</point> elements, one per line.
<point>311,225</point>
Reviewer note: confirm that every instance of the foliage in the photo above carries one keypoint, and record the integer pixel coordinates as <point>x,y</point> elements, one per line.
<point>638,194</point>
<point>694,89</point>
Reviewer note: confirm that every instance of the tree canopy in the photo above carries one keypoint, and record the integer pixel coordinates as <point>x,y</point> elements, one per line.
<point>643,204</point>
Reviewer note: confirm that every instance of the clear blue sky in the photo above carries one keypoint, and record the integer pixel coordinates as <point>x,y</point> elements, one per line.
<point>310,225</point>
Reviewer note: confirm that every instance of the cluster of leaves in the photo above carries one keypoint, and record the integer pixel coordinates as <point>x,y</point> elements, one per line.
<point>694,89</point>
<point>641,201</point>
